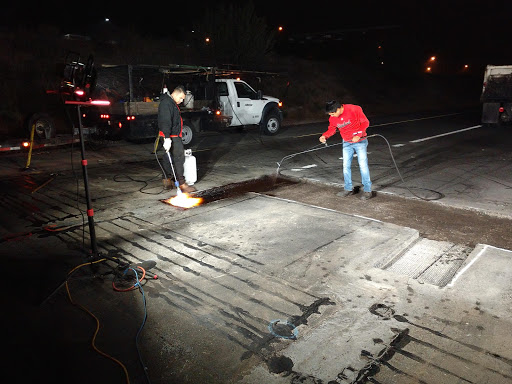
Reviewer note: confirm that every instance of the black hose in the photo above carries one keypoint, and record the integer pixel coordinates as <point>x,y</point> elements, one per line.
<point>324,146</point>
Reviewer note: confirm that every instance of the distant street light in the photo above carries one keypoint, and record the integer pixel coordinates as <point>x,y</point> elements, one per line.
<point>107,19</point>
<point>207,40</point>
<point>433,58</point>
<point>280,29</point>
<point>429,69</point>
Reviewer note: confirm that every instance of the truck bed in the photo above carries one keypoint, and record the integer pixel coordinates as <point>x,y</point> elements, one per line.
<point>151,107</point>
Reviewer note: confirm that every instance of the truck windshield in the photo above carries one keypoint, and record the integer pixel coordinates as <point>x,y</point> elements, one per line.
<point>244,91</point>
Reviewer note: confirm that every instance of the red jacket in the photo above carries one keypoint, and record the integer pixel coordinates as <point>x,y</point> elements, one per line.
<point>352,122</point>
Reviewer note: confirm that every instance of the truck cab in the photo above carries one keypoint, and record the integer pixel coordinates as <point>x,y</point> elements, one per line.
<point>246,107</point>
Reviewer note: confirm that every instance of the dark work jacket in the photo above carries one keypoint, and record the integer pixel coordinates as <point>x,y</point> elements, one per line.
<point>170,123</point>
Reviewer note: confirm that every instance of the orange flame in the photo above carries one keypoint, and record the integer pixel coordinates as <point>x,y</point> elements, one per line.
<point>183,200</point>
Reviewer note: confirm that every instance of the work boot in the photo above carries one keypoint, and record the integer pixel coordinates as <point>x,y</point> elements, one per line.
<point>185,188</point>
<point>366,196</point>
<point>346,193</point>
<point>167,183</point>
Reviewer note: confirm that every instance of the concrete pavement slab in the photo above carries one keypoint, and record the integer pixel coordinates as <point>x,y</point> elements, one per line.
<point>236,265</point>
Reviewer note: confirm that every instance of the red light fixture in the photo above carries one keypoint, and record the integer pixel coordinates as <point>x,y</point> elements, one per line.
<point>501,109</point>
<point>100,102</point>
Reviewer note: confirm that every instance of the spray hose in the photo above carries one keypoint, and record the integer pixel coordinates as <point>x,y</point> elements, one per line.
<point>325,145</point>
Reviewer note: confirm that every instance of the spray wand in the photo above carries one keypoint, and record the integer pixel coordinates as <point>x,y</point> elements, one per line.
<point>175,178</point>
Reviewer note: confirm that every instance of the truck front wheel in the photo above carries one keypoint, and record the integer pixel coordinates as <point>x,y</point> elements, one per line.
<point>271,123</point>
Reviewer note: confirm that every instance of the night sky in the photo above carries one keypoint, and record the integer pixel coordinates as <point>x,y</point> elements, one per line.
<point>471,28</point>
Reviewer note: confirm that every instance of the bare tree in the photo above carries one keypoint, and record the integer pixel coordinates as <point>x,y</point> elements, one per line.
<point>234,34</point>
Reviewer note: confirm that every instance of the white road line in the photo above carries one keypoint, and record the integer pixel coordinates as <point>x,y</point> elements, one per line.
<point>485,247</point>
<point>445,134</point>
<point>316,206</point>
<point>393,122</point>
<point>418,119</point>
<point>459,274</point>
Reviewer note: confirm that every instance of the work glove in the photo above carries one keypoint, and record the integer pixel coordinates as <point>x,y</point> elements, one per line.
<point>167,144</point>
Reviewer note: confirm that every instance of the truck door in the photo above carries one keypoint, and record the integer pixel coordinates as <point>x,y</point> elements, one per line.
<point>226,100</point>
<point>246,104</point>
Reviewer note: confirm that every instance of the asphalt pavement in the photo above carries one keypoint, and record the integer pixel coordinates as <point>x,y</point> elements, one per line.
<point>250,287</point>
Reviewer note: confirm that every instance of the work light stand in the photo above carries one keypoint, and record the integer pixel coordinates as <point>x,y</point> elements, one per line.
<point>90,212</point>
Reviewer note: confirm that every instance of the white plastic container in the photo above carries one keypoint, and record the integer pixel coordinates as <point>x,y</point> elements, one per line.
<point>190,168</point>
<point>188,103</point>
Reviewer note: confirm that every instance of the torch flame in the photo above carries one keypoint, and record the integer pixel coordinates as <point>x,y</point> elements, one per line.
<point>183,200</point>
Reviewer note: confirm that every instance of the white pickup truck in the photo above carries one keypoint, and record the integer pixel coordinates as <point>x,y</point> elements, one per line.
<point>213,102</point>
<point>245,106</point>
<point>497,95</point>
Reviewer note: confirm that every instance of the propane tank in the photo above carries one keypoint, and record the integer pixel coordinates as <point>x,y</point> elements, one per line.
<point>189,100</point>
<point>190,169</point>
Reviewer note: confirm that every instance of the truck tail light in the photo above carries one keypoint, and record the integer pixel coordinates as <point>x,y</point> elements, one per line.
<point>130,117</point>
<point>105,116</point>
<point>280,104</point>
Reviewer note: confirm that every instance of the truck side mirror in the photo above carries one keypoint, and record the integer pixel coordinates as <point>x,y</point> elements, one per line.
<point>260,95</point>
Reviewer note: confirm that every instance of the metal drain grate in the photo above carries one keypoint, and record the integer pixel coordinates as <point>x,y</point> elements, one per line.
<point>429,261</point>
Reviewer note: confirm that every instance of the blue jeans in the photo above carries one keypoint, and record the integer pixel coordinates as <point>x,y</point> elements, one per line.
<point>362,158</point>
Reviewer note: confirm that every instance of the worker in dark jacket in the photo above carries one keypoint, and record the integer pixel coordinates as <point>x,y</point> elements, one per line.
<point>170,125</point>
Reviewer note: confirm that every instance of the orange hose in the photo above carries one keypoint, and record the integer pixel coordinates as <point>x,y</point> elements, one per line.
<point>133,286</point>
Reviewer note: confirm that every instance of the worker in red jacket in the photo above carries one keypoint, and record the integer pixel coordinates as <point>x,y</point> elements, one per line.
<point>352,123</point>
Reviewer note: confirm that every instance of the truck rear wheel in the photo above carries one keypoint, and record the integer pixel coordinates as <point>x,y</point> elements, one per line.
<point>271,124</point>
<point>188,135</point>
<point>44,126</point>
